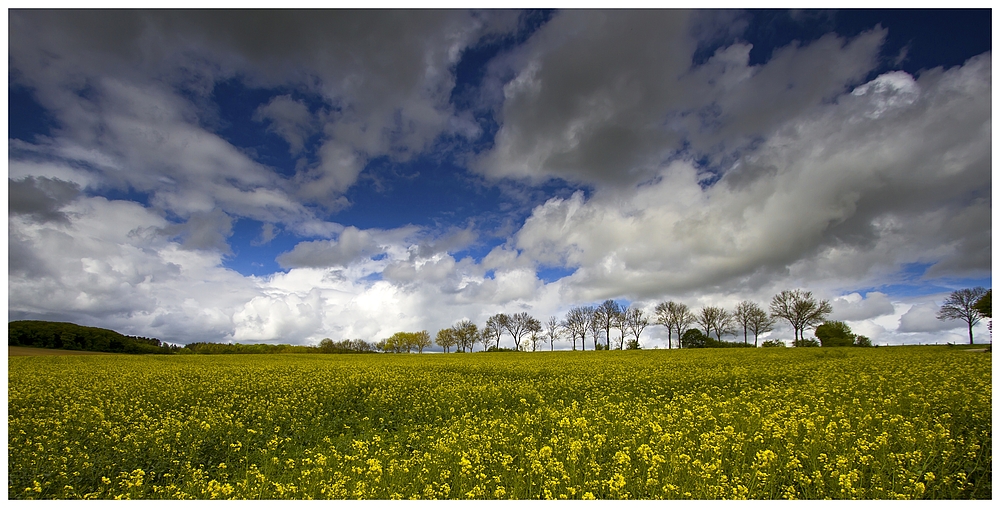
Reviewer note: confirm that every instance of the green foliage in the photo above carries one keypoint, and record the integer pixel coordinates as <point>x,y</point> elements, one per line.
<point>862,341</point>
<point>835,334</point>
<point>773,343</point>
<point>984,305</point>
<point>56,335</point>
<point>632,344</point>
<point>808,343</point>
<point>693,338</point>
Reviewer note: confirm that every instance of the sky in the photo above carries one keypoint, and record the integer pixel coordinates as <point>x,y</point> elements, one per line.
<point>286,176</point>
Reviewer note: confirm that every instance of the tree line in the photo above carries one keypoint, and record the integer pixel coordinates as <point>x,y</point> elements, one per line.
<point>608,326</point>
<point>613,326</point>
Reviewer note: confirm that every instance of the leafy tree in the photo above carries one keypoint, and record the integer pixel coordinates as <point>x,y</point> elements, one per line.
<point>862,341</point>
<point>834,334</point>
<point>676,317</point>
<point>420,340</point>
<point>772,343</point>
<point>800,309</point>
<point>552,332</point>
<point>446,338</point>
<point>984,305</point>
<point>326,345</point>
<point>466,334</point>
<point>605,316</point>
<point>961,304</point>
<point>636,321</point>
<point>693,338</point>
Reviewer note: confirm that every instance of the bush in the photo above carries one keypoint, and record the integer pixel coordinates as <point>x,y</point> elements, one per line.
<point>773,343</point>
<point>808,343</point>
<point>862,341</point>
<point>632,344</point>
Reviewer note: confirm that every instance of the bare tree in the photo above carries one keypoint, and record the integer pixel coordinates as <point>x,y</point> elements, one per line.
<point>495,326</point>
<point>606,315</point>
<point>552,332</point>
<point>535,336</point>
<point>676,317</point>
<point>745,314</point>
<point>961,304</point>
<point>517,325</point>
<point>800,309</point>
<point>717,319</point>
<point>485,337</point>
<point>594,325</point>
<point>577,323</point>
<point>760,322</point>
<point>636,321</point>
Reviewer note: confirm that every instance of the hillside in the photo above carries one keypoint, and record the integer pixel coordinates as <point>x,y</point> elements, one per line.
<point>69,336</point>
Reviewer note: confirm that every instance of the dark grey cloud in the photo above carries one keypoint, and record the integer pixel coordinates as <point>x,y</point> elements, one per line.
<point>40,198</point>
<point>203,230</point>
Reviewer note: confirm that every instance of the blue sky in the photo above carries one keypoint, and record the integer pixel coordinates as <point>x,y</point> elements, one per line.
<point>284,176</point>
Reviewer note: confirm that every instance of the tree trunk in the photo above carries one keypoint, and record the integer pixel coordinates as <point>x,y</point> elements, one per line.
<point>970,333</point>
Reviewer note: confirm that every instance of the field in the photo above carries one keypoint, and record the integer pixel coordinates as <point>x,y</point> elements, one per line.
<point>871,423</point>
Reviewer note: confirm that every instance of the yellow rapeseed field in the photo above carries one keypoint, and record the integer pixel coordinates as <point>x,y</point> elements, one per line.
<point>875,423</point>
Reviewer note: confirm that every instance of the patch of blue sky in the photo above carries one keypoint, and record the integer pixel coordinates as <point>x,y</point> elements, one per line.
<point>236,121</point>
<point>250,254</point>
<point>550,274</point>
<point>912,281</point>
<point>26,118</point>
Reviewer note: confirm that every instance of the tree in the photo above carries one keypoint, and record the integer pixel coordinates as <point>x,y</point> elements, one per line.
<point>862,341</point>
<point>326,345</point>
<point>446,338</point>
<point>577,322</point>
<point>466,334</point>
<point>693,338</point>
<point>517,326</point>
<point>984,305</point>
<point>535,333</point>
<point>636,321</point>
<point>676,317</point>
<point>760,322</point>
<point>606,315</point>
<point>961,304</point>
<point>621,323</point>
<point>752,318</point>
<point>485,337</point>
<point>420,340</point>
<point>834,334</point>
<point>495,327</point>
<point>594,325</point>
<point>800,309</point>
<point>715,319</point>
<point>552,334</point>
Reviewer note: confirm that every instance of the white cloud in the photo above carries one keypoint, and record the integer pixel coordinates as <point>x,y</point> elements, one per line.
<point>853,307</point>
<point>922,317</point>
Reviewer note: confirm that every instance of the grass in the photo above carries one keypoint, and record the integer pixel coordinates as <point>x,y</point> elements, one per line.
<point>853,423</point>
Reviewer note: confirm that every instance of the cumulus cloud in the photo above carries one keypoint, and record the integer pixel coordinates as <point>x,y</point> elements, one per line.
<point>832,196</point>
<point>854,307</point>
<point>922,317</point>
